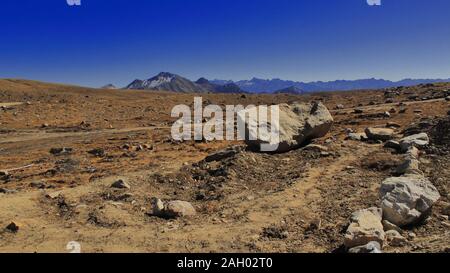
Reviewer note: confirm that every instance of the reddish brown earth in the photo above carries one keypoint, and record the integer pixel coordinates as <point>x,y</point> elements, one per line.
<point>293,202</point>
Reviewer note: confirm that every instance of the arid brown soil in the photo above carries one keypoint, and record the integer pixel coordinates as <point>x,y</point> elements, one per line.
<point>63,146</point>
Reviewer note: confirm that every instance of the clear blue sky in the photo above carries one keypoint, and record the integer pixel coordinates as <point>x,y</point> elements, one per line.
<point>117,41</point>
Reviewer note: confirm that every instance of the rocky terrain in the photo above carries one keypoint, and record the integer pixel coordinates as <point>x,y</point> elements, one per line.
<point>99,167</point>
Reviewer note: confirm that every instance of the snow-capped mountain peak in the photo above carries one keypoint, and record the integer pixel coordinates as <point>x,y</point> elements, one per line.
<point>158,80</point>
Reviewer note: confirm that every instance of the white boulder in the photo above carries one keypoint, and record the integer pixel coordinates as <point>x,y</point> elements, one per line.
<point>365,227</point>
<point>408,199</point>
<point>297,124</point>
<point>418,140</point>
<point>383,134</point>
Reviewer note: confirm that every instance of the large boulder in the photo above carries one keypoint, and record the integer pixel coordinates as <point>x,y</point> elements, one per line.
<point>418,140</point>
<point>408,199</point>
<point>365,226</point>
<point>383,134</point>
<point>298,123</point>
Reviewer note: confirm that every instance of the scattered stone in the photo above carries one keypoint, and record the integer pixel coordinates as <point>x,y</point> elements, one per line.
<point>37,185</point>
<point>139,148</point>
<point>417,140</point>
<point>447,98</point>
<point>157,206</point>
<point>316,224</point>
<point>393,125</point>
<point>172,209</point>
<point>148,146</point>
<point>371,247</point>
<point>250,198</point>
<point>365,227</point>
<point>297,123</point>
<point>275,233</point>
<point>99,152</point>
<point>125,197</point>
<point>357,136</point>
<point>84,123</point>
<point>61,151</point>
<point>179,209</point>
<point>383,134</point>
<point>53,195</point>
<point>13,227</point>
<point>358,111</point>
<point>339,106</point>
<point>4,173</point>
<point>387,114</point>
<point>412,235</point>
<point>45,125</point>
<point>408,199</point>
<point>389,226</point>
<point>392,144</point>
<point>120,184</point>
<point>394,238</point>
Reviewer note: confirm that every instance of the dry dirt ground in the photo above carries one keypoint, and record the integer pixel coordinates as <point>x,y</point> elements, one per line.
<point>250,202</point>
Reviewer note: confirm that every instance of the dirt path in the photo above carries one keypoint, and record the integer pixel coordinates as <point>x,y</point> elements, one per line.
<point>9,104</point>
<point>301,199</point>
<point>45,233</point>
<point>32,135</point>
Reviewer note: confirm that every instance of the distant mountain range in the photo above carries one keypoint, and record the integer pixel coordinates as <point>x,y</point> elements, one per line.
<point>256,85</point>
<point>165,81</point>
<point>290,90</point>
